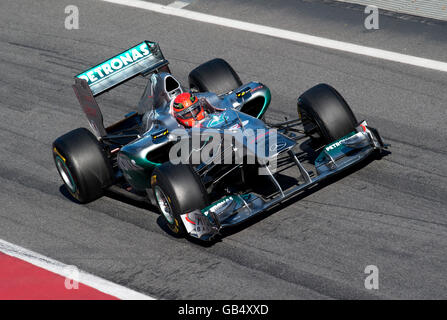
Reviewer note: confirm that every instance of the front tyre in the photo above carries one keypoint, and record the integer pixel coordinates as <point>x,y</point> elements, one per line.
<point>177,190</point>
<point>325,114</point>
<point>82,164</point>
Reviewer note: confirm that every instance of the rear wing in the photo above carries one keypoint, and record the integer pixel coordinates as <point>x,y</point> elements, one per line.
<point>142,59</point>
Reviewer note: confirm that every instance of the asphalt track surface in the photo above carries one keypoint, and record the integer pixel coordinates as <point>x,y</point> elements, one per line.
<point>391,213</point>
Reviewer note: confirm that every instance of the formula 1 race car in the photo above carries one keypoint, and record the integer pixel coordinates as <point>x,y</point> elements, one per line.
<point>235,165</point>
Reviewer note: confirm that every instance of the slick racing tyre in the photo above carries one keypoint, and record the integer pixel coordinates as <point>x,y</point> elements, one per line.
<point>82,164</point>
<point>177,190</point>
<point>325,114</point>
<point>214,76</point>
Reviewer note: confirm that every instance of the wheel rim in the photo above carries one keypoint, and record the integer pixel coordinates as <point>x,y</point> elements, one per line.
<point>65,174</point>
<point>164,205</point>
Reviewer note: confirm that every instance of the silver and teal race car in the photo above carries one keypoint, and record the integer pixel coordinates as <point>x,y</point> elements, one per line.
<point>230,167</point>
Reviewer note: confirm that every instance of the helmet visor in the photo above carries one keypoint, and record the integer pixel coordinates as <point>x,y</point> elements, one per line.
<point>190,112</point>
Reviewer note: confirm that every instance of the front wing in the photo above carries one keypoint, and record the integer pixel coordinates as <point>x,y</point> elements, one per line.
<point>231,210</point>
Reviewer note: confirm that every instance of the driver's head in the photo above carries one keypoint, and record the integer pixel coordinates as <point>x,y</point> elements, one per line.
<point>188,110</point>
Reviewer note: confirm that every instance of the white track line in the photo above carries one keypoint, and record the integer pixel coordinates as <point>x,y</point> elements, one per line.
<point>286,34</point>
<point>61,269</point>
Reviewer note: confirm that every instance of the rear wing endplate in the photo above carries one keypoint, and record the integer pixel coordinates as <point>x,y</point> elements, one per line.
<point>89,106</point>
<point>142,59</point>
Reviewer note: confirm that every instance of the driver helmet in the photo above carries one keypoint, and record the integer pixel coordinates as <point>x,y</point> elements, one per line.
<point>188,110</point>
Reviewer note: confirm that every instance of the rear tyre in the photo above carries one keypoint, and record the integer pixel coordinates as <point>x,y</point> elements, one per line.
<point>214,76</point>
<point>325,114</point>
<point>177,190</point>
<point>82,164</point>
